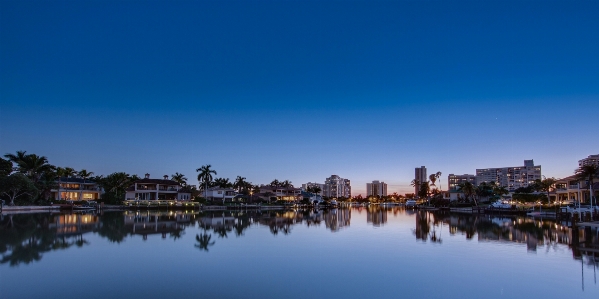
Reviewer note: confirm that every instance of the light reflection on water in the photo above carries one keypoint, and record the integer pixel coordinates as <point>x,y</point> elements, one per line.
<point>353,253</point>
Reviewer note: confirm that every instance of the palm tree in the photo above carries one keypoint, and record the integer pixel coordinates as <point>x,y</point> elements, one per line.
<point>240,183</point>
<point>588,173</point>
<point>415,183</point>
<point>286,184</point>
<point>31,165</point>
<point>66,172</point>
<point>469,190</point>
<point>116,183</point>
<point>545,185</point>
<point>222,183</point>
<point>205,176</point>
<point>433,179</point>
<point>275,183</point>
<point>204,241</point>
<point>314,189</point>
<point>438,176</point>
<point>84,174</point>
<point>18,158</point>
<point>179,178</point>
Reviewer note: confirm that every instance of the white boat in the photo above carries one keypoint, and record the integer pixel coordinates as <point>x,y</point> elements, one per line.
<point>501,205</point>
<point>410,203</point>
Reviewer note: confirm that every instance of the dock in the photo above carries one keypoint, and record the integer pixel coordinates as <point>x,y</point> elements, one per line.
<point>591,224</point>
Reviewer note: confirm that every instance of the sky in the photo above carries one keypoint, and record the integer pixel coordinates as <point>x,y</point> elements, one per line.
<point>301,90</point>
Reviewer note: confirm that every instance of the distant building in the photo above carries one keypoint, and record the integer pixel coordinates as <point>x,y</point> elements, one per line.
<point>510,177</point>
<point>590,160</point>
<point>156,189</point>
<point>335,187</point>
<point>453,180</point>
<point>376,188</point>
<point>420,176</point>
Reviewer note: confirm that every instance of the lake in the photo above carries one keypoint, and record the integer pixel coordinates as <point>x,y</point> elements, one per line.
<point>361,252</point>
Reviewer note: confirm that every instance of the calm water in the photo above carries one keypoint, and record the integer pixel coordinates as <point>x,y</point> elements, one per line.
<point>357,253</point>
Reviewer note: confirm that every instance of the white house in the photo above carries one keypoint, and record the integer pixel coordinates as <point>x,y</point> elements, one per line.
<point>157,189</point>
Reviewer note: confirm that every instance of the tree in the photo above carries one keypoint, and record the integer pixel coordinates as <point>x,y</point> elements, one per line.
<point>424,190</point>
<point>17,185</point>
<point>484,190</point>
<point>205,176</point>
<point>5,167</point>
<point>84,174</point>
<point>469,190</point>
<point>222,183</point>
<point>45,185</point>
<point>240,183</point>
<point>115,185</point>
<point>545,185</point>
<point>286,184</point>
<point>500,190</point>
<point>275,183</point>
<point>179,178</point>
<point>204,241</point>
<point>415,183</point>
<point>314,189</point>
<point>67,172</point>
<point>588,173</point>
<point>434,177</point>
<point>33,166</point>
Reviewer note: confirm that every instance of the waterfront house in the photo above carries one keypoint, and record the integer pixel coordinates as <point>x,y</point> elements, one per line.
<point>281,193</point>
<point>76,189</point>
<point>218,193</point>
<point>157,189</point>
<point>567,189</point>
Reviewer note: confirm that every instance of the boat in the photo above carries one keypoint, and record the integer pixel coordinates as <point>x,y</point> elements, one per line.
<point>410,203</point>
<point>500,205</point>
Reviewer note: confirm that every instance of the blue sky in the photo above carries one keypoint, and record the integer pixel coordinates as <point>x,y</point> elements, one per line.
<point>301,90</point>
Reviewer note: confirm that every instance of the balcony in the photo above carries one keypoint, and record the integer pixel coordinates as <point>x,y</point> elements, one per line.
<point>145,187</point>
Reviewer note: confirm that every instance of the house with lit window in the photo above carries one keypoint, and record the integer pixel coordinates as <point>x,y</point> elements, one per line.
<point>281,193</point>
<point>76,189</point>
<point>157,189</point>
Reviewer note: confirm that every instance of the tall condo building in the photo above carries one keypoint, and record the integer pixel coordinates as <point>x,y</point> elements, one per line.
<point>336,186</point>
<point>453,180</point>
<point>420,176</point>
<point>376,188</point>
<point>590,160</point>
<point>510,177</point>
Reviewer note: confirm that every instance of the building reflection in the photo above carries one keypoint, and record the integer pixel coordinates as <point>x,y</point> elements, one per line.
<point>24,238</point>
<point>533,233</point>
<point>376,215</point>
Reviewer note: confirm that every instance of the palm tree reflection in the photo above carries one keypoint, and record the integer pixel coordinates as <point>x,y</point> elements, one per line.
<point>204,241</point>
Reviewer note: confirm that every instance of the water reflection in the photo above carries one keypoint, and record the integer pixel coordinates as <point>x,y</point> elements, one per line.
<point>24,238</point>
<point>534,233</point>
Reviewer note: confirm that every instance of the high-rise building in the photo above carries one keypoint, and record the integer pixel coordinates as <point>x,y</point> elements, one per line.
<point>376,188</point>
<point>420,176</point>
<point>453,180</point>
<point>510,177</point>
<point>335,187</point>
<point>590,160</point>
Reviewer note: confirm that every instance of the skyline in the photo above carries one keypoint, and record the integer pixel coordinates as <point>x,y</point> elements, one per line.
<point>301,90</point>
